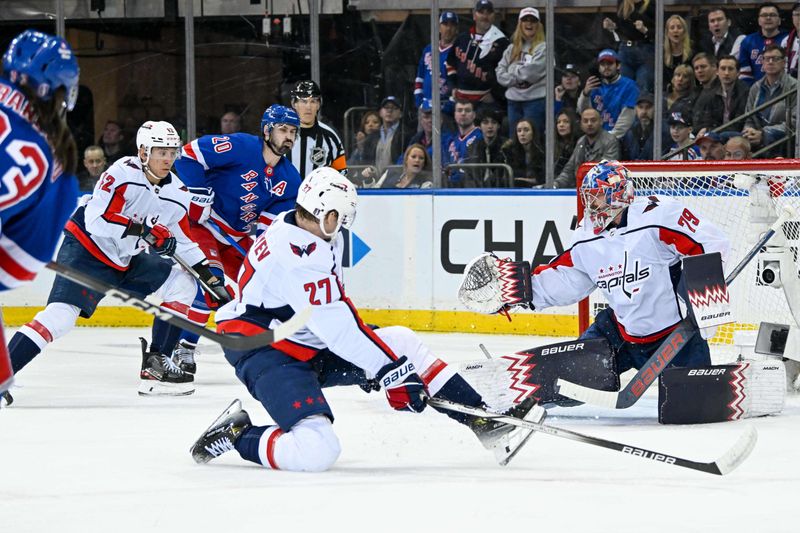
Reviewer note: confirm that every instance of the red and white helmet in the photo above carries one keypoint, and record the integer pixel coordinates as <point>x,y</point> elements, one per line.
<point>324,190</point>
<point>154,134</point>
<point>606,190</point>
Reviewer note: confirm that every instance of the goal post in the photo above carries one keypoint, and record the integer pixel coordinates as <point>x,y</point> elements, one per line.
<point>743,198</point>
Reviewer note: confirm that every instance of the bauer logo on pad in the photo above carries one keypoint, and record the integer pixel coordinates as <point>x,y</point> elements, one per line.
<point>707,290</point>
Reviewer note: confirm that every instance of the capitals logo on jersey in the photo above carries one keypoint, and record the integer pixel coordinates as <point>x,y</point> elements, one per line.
<point>300,251</point>
<point>620,277</point>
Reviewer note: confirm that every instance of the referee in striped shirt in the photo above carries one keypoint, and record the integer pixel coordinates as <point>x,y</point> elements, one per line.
<point>318,145</point>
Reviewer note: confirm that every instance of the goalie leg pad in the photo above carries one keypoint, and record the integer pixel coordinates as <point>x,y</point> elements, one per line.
<point>717,393</point>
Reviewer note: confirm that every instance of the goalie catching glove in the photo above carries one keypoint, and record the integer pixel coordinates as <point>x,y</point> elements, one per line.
<point>493,285</point>
<point>404,389</point>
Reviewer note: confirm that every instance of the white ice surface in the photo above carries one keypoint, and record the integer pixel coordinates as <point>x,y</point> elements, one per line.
<point>80,451</point>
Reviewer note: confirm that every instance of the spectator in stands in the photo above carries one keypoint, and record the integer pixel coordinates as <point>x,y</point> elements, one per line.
<point>751,63</point>
<point>570,89</point>
<point>113,142</point>
<point>711,147</point>
<point>425,134</point>
<point>388,140</point>
<point>612,95</point>
<point>705,69</point>
<point>707,108</point>
<point>94,162</point>
<point>596,144</point>
<point>677,45</point>
<point>637,145</point>
<point>737,149</point>
<point>472,60</point>
<point>722,38</point>
<point>634,30</point>
<point>487,149</point>
<point>567,134</point>
<point>680,92</point>
<point>415,174</point>
<point>523,71</point>
<point>770,124</point>
<point>524,153</point>
<point>791,44</point>
<point>680,130</point>
<point>726,101</point>
<point>448,29</point>
<point>230,122</point>
<point>370,123</point>
<point>458,147</point>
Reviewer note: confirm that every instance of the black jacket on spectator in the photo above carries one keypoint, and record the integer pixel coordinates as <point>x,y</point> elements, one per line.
<point>371,144</point>
<point>564,149</point>
<point>482,152</point>
<point>707,44</point>
<point>470,70</point>
<point>709,107</point>
<point>529,167</point>
<point>637,145</point>
<point>626,28</point>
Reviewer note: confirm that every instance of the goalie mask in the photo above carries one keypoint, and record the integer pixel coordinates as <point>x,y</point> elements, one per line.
<point>325,190</point>
<point>606,191</point>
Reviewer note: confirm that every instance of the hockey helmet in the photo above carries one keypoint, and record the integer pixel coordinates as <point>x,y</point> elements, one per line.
<point>606,190</point>
<point>278,114</point>
<point>324,190</point>
<point>306,89</point>
<point>159,134</point>
<point>45,63</point>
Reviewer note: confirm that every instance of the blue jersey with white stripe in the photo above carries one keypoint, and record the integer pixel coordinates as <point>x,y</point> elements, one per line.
<point>246,189</point>
<point>36,197</point>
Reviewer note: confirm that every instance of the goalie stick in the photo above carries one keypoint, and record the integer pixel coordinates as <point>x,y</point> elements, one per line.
<point>666,351</point>
<point>234,342</point>
<point>725,464</point>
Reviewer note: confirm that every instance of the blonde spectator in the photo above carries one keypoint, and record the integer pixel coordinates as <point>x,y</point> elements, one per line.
<point>415,174</point>
<point>677,45</point>
<point>680,91</point>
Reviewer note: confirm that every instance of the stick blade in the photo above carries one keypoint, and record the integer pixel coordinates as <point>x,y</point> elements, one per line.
<point>293,325</point>
<point>738,452</point>
<point>587,395</point>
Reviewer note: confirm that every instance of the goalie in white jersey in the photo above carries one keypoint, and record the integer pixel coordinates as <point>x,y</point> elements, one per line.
<point>297,263</point>
<point>136,205</point>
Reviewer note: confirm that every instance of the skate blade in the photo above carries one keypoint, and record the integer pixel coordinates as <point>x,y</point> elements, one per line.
<point>235,405</point>
<point>158,388</point>
<point>503,459</point>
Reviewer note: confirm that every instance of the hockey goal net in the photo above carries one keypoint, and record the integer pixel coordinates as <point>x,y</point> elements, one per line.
<point>743,198</point>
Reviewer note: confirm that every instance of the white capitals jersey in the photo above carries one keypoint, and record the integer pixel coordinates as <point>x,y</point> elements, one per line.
<point>635,265</point>
<point>286,270</point>
<point>122,195</point>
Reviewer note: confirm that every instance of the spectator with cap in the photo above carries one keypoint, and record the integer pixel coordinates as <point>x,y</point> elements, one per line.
<point>680,129</point>
<point>751,52</point>
<point>230,122</point>
<point>791,44</point>
<point>596,144</point>
<point>472,60</point>
<point>386,144</point>
<point>737,149</point>
<point>677,45</point>
<point>611,94</point>
<point>523,71</point>
<point>634,29</point>
<point>487,149</point>
<point>637,145</point>
<point>570,89</point>
<point>458,147</point>
<point>722,37</point>
<point>423,85</point>
<point>711,147</point>
<point>424,136</point>
<point>770,124</point>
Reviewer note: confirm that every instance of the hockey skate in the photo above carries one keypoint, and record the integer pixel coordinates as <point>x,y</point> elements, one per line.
<point>161,377</point>
<point>6,399</point>
<point>503,439</point>
<point>221,434</point>
<point>183,356</point>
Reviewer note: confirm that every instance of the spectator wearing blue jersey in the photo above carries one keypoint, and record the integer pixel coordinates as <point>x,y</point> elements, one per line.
<point>611,94</point>
<point>423,84</point>
<point>634,29</point>
<point>751,51</point>
<point>523,71</point>
<point>458,147</point>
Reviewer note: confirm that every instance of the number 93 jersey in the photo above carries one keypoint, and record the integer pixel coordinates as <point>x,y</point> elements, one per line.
<point>636,265</point>
<point>36,197</point>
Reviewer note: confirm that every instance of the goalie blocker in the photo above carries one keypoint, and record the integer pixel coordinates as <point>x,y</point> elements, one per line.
<point>718,393</point>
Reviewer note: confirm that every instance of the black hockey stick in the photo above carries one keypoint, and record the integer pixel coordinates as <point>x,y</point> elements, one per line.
<point>234,342</point>
<point>725,464</point>
<point>666,351</point>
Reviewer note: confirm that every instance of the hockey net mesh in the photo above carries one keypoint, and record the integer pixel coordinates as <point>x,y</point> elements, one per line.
<point>715,190</point>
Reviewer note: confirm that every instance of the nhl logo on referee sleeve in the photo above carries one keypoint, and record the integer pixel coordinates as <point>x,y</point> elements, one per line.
<point>319,155</point>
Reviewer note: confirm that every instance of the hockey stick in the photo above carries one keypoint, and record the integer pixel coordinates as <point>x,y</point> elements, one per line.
<point>213,225</point>
<point>725,464</point>
<point>667,350</point>
<point>234,342</point>
<point>192,272</point>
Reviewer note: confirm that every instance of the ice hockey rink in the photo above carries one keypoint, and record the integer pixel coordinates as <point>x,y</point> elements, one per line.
<point>81,451</point>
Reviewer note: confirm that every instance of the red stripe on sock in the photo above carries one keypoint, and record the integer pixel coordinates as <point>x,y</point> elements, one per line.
<point>432,371</point>
<point>271,448</point>
<point>41,330</point>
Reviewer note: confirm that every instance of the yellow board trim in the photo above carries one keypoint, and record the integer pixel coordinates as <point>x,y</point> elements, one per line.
<point>442,321</point>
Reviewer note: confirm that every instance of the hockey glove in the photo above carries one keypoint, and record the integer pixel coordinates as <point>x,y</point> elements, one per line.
<point>404,389</point>
<point>493,285</point>
<point>216,286</point>
<point>202,198</point>
<point>160,239</point>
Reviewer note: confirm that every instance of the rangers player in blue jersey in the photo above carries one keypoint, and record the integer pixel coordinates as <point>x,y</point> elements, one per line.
<point>240,182</point>
<point>38,157</point>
